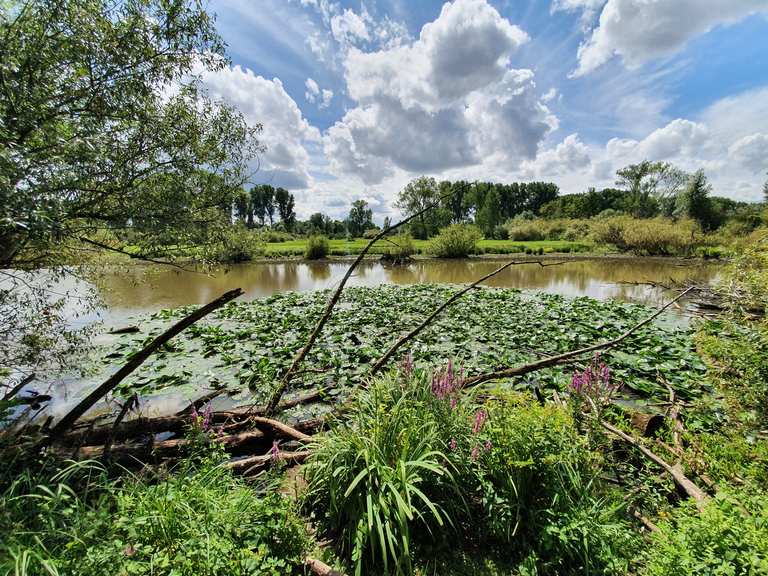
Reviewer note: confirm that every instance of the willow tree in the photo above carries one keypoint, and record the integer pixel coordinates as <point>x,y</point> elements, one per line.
<point>105,125</point>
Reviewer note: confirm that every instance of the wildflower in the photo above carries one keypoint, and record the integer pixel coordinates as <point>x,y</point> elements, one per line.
<point>275,451</point>
<point>452,444</point>
<point>207,416</point>
<point>480,417</point>
<point>453,402</point>
<point>487,445</point>
<point>475,453</point>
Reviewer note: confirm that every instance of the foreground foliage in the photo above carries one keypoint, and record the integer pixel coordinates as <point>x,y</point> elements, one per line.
<point>416,465</point>
<point>197,520</point>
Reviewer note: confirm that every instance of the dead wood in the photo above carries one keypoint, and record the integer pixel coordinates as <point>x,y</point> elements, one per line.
<point>200,402</point>
<point>127,405</point>
<point>428,320</point>
<point>137,360</point>
<point>280,429</point>
<point>252,463</point>
<point>685,483</point>
<point>320,568</point>
<point>282,387</point>
<point>567,356</point>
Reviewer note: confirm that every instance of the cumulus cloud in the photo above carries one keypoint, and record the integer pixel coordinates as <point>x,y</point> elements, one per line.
<point>729,140</point>
<point>446,100</point>
<point>640,30</point>
<point>570,155</point>
<point>286,132</point>
<point>751,152</point>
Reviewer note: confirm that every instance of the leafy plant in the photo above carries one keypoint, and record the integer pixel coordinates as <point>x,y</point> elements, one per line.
<point>382,477</point>
<point>455,241</point>
<point>317,248</point>
<point>730,536</point>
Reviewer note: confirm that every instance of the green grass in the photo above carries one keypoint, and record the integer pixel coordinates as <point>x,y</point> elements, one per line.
<point>356,245</point>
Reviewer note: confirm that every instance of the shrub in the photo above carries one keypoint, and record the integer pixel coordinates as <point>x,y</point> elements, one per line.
<point>730,536</point>
<point>382,477</point>
<point>650,236</point>
<point>274,236</point>
<point>371,233</point>
<point>455,241</point>
<point>500,233</point>
<point>317,247</point>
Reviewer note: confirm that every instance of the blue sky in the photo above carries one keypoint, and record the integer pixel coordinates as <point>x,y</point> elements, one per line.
<point>356,98</point>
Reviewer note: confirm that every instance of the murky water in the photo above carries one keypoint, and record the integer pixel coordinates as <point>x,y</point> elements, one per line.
<point>139,289</point>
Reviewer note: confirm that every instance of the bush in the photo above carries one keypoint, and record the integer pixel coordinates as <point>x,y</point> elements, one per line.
<point>730,536</point>
<point>500,233</point>
<point>317,248</point>
<point>651,236</point>
<point>455,241</point>
<point>270,235</point>
<point>371,233</point>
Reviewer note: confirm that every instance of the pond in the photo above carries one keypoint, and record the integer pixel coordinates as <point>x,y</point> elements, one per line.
<point>139,289</point>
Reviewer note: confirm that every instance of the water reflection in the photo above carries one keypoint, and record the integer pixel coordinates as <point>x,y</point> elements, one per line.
<point>149,288</point>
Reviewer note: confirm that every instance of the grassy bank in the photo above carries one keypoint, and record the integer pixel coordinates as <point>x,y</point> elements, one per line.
<point>298,247</point>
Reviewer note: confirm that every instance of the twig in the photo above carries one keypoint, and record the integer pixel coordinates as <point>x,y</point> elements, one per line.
<point>135,256</point>
<point>428,320</point>
<point>249,464</point>
<point>321,568</point>
<point>137,360</point>
<point>567,356</point>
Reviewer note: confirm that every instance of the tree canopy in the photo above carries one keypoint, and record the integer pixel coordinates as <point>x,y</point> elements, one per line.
<point>104,123</point>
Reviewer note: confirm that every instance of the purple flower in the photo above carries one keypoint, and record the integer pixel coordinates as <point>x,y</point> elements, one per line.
<point>207,416</point>
<point>275,451</point>
<point>407,364</point>
<point>487,445</point>
<point>452,444</point>
<point>475,453</point>
<point>480,417</point>
<point>453,402</point>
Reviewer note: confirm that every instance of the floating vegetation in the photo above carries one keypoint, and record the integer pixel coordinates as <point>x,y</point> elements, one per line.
<point>246,346</point>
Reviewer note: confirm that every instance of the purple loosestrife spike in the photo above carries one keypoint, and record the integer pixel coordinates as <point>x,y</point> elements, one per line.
<point>452,444</point>
<point>475,453</point>
<point>275,451</point>
<point>487,445</point>
<point>480,418</point>
<point>207,416</point>
<point>453,402</point>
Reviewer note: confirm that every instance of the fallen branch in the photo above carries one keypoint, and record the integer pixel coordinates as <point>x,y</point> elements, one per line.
<point>137,360</point>
<point>299,358</point>
<point>379,364</point>
<point>567,356</point>
<point>249,464</point>
<point>685,483</point>
<point>133,256</point>
<point>320,568</point>
<point>283,429</point>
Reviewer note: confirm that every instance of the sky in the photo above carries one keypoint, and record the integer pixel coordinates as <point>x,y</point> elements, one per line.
<point>356,98</point>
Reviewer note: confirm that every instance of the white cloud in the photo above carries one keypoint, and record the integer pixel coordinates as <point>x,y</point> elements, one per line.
<point>286,132</point>
<point>447,100</point>
<point>314,94</point>
<point>348,27</point>
<point>569,156</point>
<point>550,95</point>
<point>751,152</point>
<point>312,90</point>
<point>729,140</point>
<point>640,30</point>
